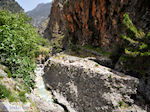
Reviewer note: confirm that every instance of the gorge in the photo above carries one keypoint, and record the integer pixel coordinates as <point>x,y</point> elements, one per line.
<point>83,64</point>
<point>96,25</point>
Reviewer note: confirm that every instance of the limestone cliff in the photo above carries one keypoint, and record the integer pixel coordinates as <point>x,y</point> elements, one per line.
<point>56,22</point>
<point>97,22</point>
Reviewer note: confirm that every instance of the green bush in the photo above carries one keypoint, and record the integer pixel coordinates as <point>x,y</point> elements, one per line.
<point>136,56</point>
<point>56,44</point>
<point>22,96</point>
<point>19,44</point>
<point>138,42</point>
<point>4,92</point>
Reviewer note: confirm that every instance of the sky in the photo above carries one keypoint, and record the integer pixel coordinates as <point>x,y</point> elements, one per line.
<point>31,4</point>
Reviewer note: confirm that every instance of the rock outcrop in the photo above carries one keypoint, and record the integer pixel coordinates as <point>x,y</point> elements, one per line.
<point>97,22</point>
<point>10,5</point>
<point>56,23</point>
<point>88,86</point>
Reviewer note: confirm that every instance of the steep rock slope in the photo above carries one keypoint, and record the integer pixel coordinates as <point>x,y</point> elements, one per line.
<point>10,5</point>
<point>56,23</point>
<point>97,22</point>
<point>40,13</point>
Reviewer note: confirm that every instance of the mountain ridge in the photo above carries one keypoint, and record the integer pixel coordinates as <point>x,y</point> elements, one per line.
<point>39,13</point>
<point>10,5</point>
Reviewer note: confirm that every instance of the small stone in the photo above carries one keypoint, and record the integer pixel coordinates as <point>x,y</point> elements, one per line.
<point>3,74</point>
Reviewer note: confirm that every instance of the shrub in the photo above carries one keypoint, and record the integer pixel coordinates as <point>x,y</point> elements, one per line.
<point>56,44</point>
<point>138,42</point>
<point>4,92</point>
<point>19,44</point>
<point>136,56</point>
<point>22,96</point>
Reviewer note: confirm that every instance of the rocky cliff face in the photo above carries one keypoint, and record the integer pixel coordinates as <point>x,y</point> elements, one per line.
<point>97,22</point>
<point>10,5</point>
<point>56,23</point>
<point>40,13</point>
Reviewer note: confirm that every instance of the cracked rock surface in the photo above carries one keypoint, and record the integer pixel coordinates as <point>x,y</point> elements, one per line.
<point>89,87</point>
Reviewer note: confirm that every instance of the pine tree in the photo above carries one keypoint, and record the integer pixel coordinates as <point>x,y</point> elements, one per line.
<point>138,41</point>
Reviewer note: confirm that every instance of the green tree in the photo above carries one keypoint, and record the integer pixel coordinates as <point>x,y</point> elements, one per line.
<point>136,57</point>
<point>19,45</point>
<point>138,42</point>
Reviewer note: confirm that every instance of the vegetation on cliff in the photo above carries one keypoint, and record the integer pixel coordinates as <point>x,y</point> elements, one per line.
<point>20,44</point>
<point>10,5</point>
<point>4,92</point>
<point>136,56</point>
<point>138,41</point>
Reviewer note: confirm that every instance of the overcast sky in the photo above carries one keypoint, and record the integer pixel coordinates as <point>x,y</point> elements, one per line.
<point>30,4</point>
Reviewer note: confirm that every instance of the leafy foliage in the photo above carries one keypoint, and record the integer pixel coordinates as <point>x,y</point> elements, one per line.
<point>12,96</point>
<point>56,43</point>
<point>22,96</point>
<point>136,56</point>
<point>138,41</point>
<point>4,92</point>
<point>19,45</point>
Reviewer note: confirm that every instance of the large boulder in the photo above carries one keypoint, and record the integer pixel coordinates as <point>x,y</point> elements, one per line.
<point>88,86</point>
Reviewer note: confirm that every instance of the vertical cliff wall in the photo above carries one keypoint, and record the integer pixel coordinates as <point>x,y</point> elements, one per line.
<point>97,22</point>
<point>57,22</point>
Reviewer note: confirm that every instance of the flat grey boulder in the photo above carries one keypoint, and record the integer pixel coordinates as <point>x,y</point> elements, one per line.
<point>88,86</point>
